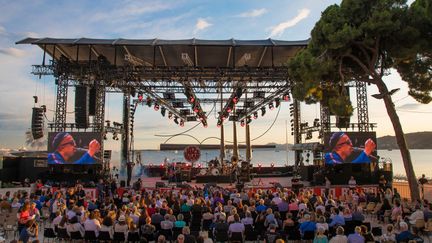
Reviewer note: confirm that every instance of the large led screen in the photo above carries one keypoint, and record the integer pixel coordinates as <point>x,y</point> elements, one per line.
<point>350,147</point>
<point>81,148</point>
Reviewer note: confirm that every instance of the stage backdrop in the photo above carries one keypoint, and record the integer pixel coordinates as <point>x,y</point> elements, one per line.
<point>78,155</point>
<point>358,140</point>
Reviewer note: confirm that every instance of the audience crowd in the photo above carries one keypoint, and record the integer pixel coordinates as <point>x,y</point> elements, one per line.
<point>213,214</point>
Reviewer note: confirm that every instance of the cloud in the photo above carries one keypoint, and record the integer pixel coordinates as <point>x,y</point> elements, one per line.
<point>2,30</point>
<point>129,10</point>
<point>202,24</point>
<point>253,13</point>
<point>12,52</point>
<point>409,106</point>
<point>281,27</point>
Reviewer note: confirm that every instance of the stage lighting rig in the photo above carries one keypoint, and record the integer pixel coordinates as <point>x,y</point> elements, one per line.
<point>140,96</point>
<point>263,111</point>
<point>148,101</point>
<point>176,120</point>
<point>242,123</point>
<point>255,115</point>
<point>163,110</point>
<point>286,97</point>
<point>156,107</point>
<point>170,115</point>
<point>271,107</point>
<point>248,120</point>
<point>277,102</point>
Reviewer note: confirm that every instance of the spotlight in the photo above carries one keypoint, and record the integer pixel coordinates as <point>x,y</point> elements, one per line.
<point>156,106</point>
<point>148,101</point>
<point>271,107</point>
<point>242,123</point>
<point>170,115</point>
<point>316,122</point>
<point>140,96</point>
<point>235,100</point>
<point>263,111</point>
<point>219,123</point>
<point>286,97</point>
<point>163,110</point>
<point>255,115</point>
<point>182,123</point>
<point>248,120</point>
<point>204,122</point>
<point>176,120</point>
<point>277,102</point>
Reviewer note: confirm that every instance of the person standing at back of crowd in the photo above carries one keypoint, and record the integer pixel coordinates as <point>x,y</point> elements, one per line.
<point>422,182</point>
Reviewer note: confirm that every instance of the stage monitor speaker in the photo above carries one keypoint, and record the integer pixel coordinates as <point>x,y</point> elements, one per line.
<point>160,184</point>
<point>92,102</point>
<point>82,107</point>
<point>37,124</point>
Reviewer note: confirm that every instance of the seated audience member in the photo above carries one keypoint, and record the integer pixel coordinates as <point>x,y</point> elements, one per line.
<point>307,225</point>
<point>320,236</point>
<point>92,224</point>
<point>337,219</point>
<point>404,234</point>
<point>121,226</point>
<point>356,237</point>
<point>389,235</point>
<point>340,237</point>
<point>75,226</point>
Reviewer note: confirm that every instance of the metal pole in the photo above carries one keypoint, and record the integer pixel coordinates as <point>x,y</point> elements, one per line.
<point>125,139</point>
<point>235,144</point>
<point>222,141</point>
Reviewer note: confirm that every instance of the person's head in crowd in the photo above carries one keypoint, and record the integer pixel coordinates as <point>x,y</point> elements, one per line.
<point>358,230</point>
<point>321,220</point>
<point>186,230</point>
<point>236,218</point>
<point>340,230</point>
<point>107,221</point>
<point>403,226</point>
<point>279,241</point>
<point>390,228</point>
<point>122,220</point>
<point>161,239</point>
<point>307,217</point>
<point>180,238</point>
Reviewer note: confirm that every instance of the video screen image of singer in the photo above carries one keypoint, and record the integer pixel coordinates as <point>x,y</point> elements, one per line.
<point>81,148</point>
<point>350,147</point>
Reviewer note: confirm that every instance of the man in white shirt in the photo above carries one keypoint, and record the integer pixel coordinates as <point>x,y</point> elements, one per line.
<point>417,214</point>
<point>276,199</point>
<point>56,221</point>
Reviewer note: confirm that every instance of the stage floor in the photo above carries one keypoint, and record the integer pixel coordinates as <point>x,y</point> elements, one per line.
<point>264,182</point>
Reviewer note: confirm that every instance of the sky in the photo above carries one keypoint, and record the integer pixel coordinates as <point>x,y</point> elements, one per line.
<point>180,19</point>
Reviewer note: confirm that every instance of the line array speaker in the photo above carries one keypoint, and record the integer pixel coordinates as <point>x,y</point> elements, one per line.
<point>82,107</point>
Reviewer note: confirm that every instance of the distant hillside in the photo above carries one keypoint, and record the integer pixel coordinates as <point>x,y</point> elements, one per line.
<point>417,140</point>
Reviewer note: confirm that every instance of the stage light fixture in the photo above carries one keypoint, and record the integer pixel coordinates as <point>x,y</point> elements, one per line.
<point>271,107</point>
<point>316,122</point>
<point>277,102</point>
<point>156,107</point>
<point>219,123</point>
<point>176,120</point>
<point>140,96</point>
<point>255,115</point>
<point>204,122</point>
<point>286,97</point>
<point>182,123</point>
<point>148,101</point>
<point>242,123</point>
<point>248,120</point>
<point>263,111</point>
<point>170,115</point>
<point>163,110</point>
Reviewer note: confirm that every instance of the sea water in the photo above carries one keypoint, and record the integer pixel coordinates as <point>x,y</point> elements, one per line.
<point>421,158</point>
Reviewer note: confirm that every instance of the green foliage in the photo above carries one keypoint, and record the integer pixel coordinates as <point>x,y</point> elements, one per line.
<point>362,40</point>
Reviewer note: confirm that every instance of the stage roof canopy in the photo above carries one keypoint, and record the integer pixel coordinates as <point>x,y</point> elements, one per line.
<point>173,53</point>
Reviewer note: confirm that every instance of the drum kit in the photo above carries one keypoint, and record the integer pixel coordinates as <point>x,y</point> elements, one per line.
<point>215,168</point>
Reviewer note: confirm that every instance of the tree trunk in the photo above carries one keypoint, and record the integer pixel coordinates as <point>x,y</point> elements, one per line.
<point>400,139</point>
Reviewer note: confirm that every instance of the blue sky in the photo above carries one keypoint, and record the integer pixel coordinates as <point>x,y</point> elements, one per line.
<point>285,20</point>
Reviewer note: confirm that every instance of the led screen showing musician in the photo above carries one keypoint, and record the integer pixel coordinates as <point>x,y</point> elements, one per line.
<point>350,147</point>
<point>74,148</point>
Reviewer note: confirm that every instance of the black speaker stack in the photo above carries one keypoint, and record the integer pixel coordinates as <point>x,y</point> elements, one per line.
<point>82,107</point>
<point>37,122</point>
